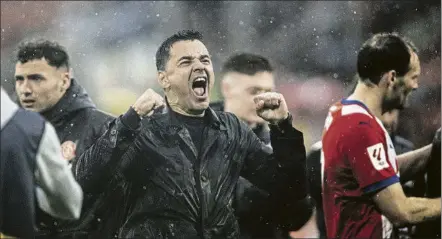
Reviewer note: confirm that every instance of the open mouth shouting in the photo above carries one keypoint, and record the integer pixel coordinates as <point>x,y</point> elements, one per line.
<point>200,87</point>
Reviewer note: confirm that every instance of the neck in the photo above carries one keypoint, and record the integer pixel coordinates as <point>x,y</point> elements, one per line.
<point>370,96</point>
<point>172,102</point>
<point>179,110</point>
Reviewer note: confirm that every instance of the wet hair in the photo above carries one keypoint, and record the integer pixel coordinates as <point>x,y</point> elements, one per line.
<point>55,54</point>
<point>246,63</point>
<point>163,52</point>
<point>384,52</point>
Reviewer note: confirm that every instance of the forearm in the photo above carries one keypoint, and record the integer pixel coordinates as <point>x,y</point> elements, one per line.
<point>423,209</point>
<point>413,162</point>
<point>402,211</point>
<point>103,156</point>
<point>289,152</point>
<point>280,169</point>
<point>289,159</point>
<point>294,217</point>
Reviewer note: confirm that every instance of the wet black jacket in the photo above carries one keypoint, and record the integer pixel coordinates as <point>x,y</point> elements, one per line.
<point>75,118</point>
<point>253,208</point>
<point>177,193</point>
<point>432,229</point>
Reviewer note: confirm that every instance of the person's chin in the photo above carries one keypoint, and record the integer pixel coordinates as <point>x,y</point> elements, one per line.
<point>33,109</point>
<point>200,105</point>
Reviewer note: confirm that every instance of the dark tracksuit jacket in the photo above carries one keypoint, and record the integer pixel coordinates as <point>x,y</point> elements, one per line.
<point>77,121</point>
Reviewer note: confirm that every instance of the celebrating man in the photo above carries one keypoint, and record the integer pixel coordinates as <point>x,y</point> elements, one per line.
<point>183,163</point>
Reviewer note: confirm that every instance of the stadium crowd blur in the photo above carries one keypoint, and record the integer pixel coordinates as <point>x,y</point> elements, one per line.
<point>312,44</point>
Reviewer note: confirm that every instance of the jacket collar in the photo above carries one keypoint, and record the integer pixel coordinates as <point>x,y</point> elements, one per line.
<point>209,115</point>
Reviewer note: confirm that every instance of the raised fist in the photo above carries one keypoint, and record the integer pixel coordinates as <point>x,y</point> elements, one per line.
<point>68,150</point>
<point>148,102</point>
<point>271,107</point>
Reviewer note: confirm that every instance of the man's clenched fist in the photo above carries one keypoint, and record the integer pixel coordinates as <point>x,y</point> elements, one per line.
<point>271,107</point>
<point>148,102</point>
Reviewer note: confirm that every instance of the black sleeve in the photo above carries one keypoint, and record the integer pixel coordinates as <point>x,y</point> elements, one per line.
<point>281,171</point>
<point>96,165</point>
<point>256,212</point>
<point>313,171</point>
<point>434,169</point>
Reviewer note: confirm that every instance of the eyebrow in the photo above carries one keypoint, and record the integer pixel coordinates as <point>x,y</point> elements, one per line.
<point>34,76</point>
<point>31,76</point>
<point>191,57</point>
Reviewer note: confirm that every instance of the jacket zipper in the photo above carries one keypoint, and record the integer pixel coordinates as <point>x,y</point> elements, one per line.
<point>200,189</point>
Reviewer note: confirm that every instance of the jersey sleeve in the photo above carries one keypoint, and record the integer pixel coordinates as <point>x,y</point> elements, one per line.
<point>366,152</point>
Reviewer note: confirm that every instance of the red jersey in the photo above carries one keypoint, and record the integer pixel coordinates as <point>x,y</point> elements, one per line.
<point>358,160</point>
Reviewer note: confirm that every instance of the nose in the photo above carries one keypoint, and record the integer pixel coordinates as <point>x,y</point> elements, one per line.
<point>198,67</point>
<point>415,85</point>
<point>24,88</point>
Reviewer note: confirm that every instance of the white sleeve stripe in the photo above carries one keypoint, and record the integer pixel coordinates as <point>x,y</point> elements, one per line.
<point>57,191</point>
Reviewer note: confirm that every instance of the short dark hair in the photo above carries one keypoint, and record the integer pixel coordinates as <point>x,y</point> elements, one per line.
<point>55,54</point>
<point>163,52</point>
<point>246,63</point>
<point>384,52</point>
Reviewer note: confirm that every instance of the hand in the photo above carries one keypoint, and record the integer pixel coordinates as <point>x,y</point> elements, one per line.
<point>148,102</point>
<point>271,107</point>
<point>68,150</point>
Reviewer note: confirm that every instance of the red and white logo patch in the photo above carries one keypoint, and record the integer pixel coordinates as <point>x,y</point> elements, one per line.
<point>377,156</point>
<point>68,150</point>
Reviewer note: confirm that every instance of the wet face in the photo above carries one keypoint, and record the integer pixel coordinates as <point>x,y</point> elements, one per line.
<point>239,89</point>
<point>188,77</point>
<point>390,120</point>
<point>399,90</point>
<point>40,86</point>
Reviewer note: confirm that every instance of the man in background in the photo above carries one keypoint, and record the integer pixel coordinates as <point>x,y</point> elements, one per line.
<point>361,173</point>
<point>390,121</point>
<point>44,84</point>
<point>32,169</point>
<point>244,76</point>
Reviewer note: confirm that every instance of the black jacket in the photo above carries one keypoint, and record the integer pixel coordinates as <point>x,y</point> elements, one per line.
<point>252,205</point>
<point>176,193</point>
<point>76,119</point>
<point>313,170</point>
<point>432,229</point>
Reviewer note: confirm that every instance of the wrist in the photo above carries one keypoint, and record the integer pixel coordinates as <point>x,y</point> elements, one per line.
<point>288,117</point>
<point>137,110</point>
<point>131,118</point>
<point>283,125</point>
